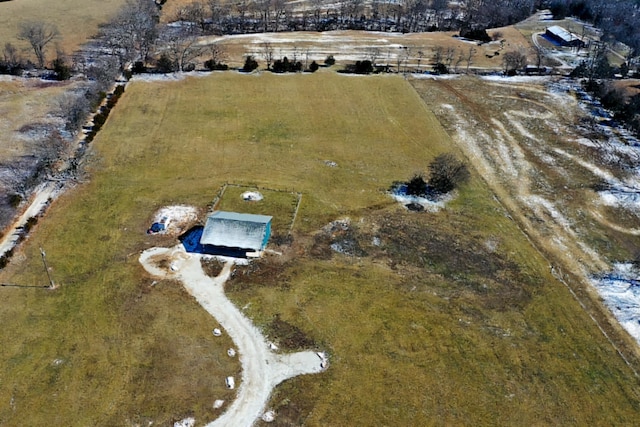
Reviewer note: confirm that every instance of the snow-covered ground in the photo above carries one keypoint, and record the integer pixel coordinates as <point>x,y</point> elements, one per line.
<point>620,290</point>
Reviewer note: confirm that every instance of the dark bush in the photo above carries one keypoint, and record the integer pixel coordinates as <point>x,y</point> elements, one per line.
<point>285,66</point>
<point>14,200</point>
<point>360,67</point>
<point>440,68</point>
<point>446,173</point>
<point>250,64</point>
<point>212,65</point>
<point>31,222</point>
<point>329,61</point>
<point>313,67</point>
<point>417,186</point>
<point>138,67</point>
<point>165,64</point>
<point>475,34</point>
<point>12,69</point>
<point>61,69</point>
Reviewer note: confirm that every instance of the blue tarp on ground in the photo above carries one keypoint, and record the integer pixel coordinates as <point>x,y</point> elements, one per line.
<point>191,242</point>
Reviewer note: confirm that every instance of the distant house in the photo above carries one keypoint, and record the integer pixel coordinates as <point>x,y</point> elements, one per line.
<point>236,234</point>
<point>563,37</point>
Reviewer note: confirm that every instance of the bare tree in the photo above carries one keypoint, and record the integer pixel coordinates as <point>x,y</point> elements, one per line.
<point>181,47</point>
<point>539,54</point>
<point>17,179</point>
<point>39,34</point>
<point>265,12</point>
<point>195,14</point>
<point>280,12</point>
<point>11,55</point>
<point>448,56</point>
<point>469,57</point>
<point>267,53</point>
<point>132,33</point>
<point>513,60</point>
<point>438,53</point>
<point>372,54</point>
<point>217,53</point>
<point>420,56</point>
<point>218,11</point>
<point>446,172</point>
<point>316,7</point>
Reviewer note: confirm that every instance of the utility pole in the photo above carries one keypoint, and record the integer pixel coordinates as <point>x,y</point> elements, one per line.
<point>46,268</point>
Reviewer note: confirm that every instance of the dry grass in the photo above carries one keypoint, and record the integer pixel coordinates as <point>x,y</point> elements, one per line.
<point>349,46</point>
<point>452,319</point>
<point>26,106</point>
<point>77,20</point>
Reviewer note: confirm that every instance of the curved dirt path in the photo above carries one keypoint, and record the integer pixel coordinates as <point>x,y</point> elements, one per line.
<point>262,369</point>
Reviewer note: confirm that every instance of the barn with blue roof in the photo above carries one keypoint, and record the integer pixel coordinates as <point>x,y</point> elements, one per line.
<point>234,234</point>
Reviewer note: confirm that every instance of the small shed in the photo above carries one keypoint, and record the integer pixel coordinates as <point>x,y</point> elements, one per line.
<point>236,233</point>
<point>563,37</point>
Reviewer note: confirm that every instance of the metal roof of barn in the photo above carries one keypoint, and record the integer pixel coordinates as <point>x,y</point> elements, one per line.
<point>563,34</point>
<point>235,230</point>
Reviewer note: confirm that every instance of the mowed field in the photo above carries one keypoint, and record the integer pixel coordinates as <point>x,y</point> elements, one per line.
<point>446,318</point>
<point>77,20</point>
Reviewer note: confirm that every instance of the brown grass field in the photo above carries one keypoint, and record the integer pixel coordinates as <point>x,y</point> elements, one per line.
<point>26,106</point>
<point>453,318</point>
<point>77,20</point>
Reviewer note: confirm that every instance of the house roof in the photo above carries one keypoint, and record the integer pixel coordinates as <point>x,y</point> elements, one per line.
<point>235,230</point>
<point>563,34</point>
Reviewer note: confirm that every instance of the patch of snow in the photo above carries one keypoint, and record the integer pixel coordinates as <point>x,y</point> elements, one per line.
<point>269,416</point>
<point>187,422</point>
<point>436,76</point>
<point>254,196</point>
<point>176,218</point>
<point>217,332</point>
<point>231,352</point>
<point>516,79</point>
<point>218,404</point>
<point>429,204</point>
<point>620,290</point>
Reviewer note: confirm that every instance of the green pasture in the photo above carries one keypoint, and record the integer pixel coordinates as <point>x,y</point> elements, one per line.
<point>279,204</point>
<point>447,318</point>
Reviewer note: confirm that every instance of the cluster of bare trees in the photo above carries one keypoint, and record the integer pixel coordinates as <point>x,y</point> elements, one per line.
<point>252,16</point>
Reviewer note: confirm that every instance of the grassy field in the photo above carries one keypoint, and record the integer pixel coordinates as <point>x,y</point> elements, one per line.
<point>443,318</point>
<point>77,20</point>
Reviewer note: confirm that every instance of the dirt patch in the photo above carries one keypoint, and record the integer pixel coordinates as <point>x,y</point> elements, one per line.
<point>263,272</point>
<point>211,266</point>
<point>465,261</point>
<point>288,336</point>
<point>339,236</point>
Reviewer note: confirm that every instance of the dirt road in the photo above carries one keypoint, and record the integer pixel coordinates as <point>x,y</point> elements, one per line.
<point>41,197</point>
<point>262,369</point>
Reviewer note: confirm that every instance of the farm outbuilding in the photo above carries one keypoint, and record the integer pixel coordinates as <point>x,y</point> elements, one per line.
<point>563,37</point>
<point>235,233</point>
